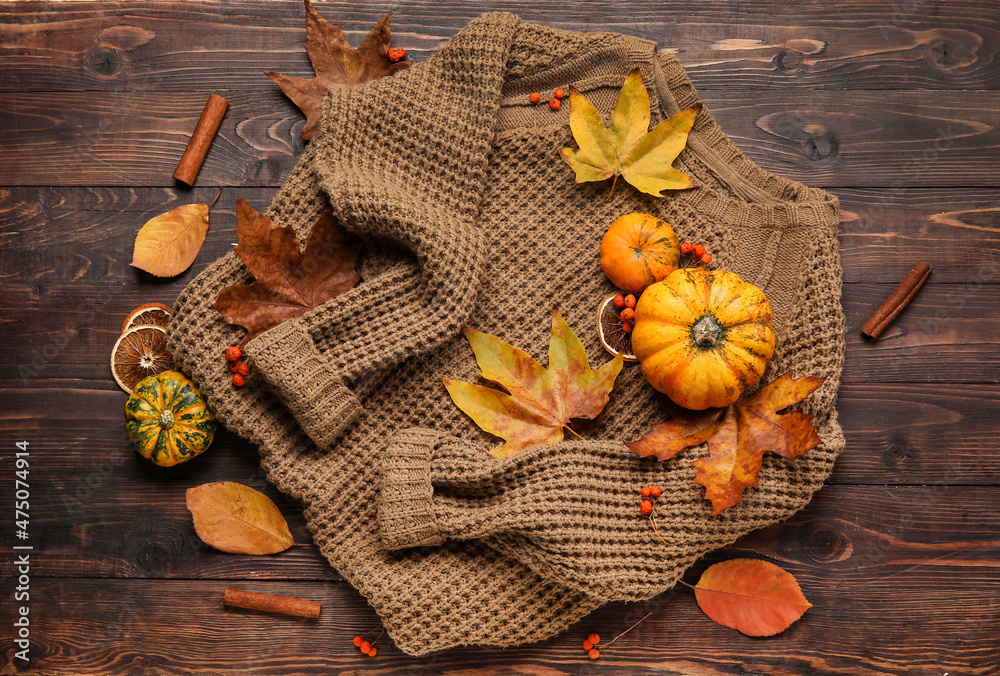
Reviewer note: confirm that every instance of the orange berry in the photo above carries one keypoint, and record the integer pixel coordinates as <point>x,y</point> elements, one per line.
<point>554,104</point>
<point>234,353</point>
<point>357,641</point>
<point>243,369</point>
<point>234,366</point>
<point>619,301</point>
<point>706,259</point>
<point>645,491</point>
<point>699,250</point>
<point>366,647</point>
<point>587,645</point>
<point>373,652</point>
<point>655,491</point>
<point>559,93</point>
<point>396,55</point>
<point>627,327</point>
<point>628,314</point>
<point>646,507</point>
<point>239,380</point>
<point>593,653</point>
<point>686,247</point>
<point>535,97</point>
<point>700,268</point>
<point>594,638</point>
<point>630,301</point>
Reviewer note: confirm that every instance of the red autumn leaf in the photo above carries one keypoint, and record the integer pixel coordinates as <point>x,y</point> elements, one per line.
<point>336,64</point>
<point>737,436</point>
<point>754,597</point>
<point>288,281</point>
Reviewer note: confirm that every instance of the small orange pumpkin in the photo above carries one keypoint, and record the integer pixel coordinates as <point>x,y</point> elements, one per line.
<point>638,250</point>
<point>703,338</point>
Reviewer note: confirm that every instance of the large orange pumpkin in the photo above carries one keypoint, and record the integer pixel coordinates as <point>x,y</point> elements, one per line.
<point>637,250</point>
<point>703,338</point>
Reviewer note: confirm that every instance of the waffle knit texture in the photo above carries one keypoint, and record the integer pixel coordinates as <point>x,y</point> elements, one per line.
<point>469,217</point>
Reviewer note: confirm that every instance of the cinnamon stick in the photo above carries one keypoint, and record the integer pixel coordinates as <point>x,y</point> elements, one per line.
<point>897,300</point>
<point>211,117</point>
<point>271,603</point>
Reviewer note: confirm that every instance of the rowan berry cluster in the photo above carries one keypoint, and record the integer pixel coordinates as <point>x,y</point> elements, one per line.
<point>368,647</point>
<point>590,646</point>
<point>554,104</point>
<point>649,495</point>
<point>626,307</point>
<point>697,251</point>
<point>239,369</point>
<point>396,55</point>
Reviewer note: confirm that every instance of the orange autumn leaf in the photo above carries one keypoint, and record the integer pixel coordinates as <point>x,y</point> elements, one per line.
<point>336,64</point>
<point>541,402</point>
<point>737,436</point>
<point>167,244</point>
<point>751,596</point>
<point>235,518</point>
<point>288,281</point>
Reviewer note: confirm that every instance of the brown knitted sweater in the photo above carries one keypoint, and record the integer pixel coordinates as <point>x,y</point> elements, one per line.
<point>470,218</point>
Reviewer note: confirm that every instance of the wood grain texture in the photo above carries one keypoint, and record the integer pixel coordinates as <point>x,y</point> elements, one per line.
<point>208,46</point>
<point>858,552</point>
<point>824,138</point>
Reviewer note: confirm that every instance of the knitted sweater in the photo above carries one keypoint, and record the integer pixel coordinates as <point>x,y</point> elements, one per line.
<point>470,218</point>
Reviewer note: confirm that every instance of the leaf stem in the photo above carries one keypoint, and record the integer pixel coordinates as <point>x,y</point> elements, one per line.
<point>216,198</point>
<point>613,184</point>
<point>626,631</point>
<point>572,431</point>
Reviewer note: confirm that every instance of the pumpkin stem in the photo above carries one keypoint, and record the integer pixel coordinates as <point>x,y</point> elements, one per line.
<point>706,332</point>
<point>167,419</point>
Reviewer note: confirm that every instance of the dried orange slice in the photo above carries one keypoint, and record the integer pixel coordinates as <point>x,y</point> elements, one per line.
<point>150,314</point>
<point>609,329</point>
<point>139,353</point>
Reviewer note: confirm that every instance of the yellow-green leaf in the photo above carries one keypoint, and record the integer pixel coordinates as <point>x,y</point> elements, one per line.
<point>235,518</point>
<point>539,402</point>
<point>168,244</point>
<point>627,148</point>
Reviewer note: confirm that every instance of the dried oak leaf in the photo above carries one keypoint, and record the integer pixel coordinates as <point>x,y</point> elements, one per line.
<point>751,596</point>
<point>541,401</point>
<point>288,281</point>
<point>336,64</point>
<point>627,148</point>
<point>237,519</point>
<point>737,436</point>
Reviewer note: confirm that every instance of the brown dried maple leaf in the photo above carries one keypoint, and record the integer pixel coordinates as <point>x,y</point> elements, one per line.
<point>288,281</point>
<point>336,64</point>
<point>737,436</point>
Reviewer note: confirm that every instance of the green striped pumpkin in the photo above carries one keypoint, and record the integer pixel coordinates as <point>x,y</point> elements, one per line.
<point>168,420</point>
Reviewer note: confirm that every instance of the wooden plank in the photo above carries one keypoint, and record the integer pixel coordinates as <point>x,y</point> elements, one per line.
<point>84,235</point>
<point>883,583</point>
<point>824,138</point>
<point>209,46</point>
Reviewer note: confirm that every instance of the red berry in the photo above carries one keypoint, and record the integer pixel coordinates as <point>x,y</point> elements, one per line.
<point>594,638</point>
<point>630,301</point>
<point>619,301</point>
<point>699,250</point>
<point>628,314</point>
<point>559,93</point>
<point>554,104</point>
<point>593,653</point>
<point>239,380</point>
<point>686,247</point>
<point>373,652</point>
<point>655,491</point>
<point>700,268</point>
<point>645,492</point>
<point>234,353</point>
<point>366,646</point>
<point>627,327</point>
<point>706,259</point>
<point>234,366</point>
<point>243,369</point>
<point>357,641</point>
<point>646,507</point>
<point>535,97</point>
<point>587,645</point>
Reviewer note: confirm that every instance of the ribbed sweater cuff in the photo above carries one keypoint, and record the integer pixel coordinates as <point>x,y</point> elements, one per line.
<point>405,510</point>
<point>304,380</point>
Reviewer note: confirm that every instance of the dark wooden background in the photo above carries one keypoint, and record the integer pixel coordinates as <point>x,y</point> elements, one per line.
<point>893,105</point>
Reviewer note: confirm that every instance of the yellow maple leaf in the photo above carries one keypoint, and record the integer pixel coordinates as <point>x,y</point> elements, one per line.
<point>627,148</point>
<point>541,401</point>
